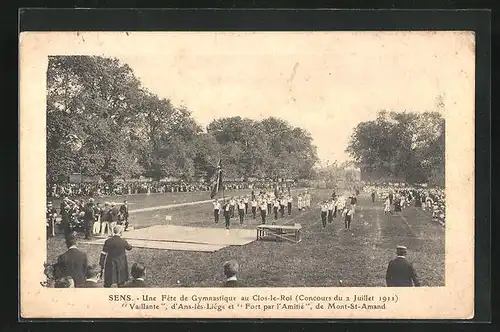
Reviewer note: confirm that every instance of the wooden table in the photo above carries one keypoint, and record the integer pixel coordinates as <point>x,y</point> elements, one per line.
<point>281,232</point>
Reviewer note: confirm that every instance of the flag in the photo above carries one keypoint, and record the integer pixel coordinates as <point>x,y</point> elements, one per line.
<point>216,181</point>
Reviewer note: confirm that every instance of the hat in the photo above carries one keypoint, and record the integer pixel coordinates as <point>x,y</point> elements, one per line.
<point>401,248</point>
<point>91,200</point>
<point>49,203</point>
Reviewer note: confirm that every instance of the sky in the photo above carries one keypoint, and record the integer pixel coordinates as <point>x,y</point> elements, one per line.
<point>324,82</point>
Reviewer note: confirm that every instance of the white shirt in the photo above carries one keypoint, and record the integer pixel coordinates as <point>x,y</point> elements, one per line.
<point>245,200</point>
<point>241,206</point>
<point>216,206</point>
<point>254,203</point>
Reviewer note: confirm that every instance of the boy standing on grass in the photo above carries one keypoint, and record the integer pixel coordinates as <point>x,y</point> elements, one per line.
<point>324,210</point>
<point>241,210</point>
<point>246,204</point>
<point>282,206</point>
<point>232,204</point>
<point>216,210</point>
<point>263,210</point>
<point>289,204</point>
<point>254,207</point>
<point>276,207</point>
<point>347,218</point>
<point>330,211</point>
<point>227,214</point>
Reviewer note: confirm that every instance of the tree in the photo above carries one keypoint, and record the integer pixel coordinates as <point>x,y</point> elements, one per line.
<point>268,148</point>
<point>90,101</point>
<point>101,121</point>
<point>402,144</point>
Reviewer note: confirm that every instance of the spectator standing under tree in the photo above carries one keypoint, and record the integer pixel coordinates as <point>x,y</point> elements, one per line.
<point>89,218</point>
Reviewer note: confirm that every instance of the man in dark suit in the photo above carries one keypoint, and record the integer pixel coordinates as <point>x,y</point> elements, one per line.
<point>400,272</point>
<point>230,271</point>
<point>73,263</point>
<point>89,218</point>
<point>66,207</point>
<point>113,259</point>
<point>138,272</point>
<point>124,213</point>
<point>92,275</point>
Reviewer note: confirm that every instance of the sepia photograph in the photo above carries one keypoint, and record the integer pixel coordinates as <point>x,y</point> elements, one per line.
<point>256,160</point>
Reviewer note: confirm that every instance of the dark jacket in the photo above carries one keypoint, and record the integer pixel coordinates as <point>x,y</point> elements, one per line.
<point>134,283</point>
<point>89,212</point>
<point>400,273</point>
<point>73,263</point>
<point>124,210</point>
<point>114,260</point>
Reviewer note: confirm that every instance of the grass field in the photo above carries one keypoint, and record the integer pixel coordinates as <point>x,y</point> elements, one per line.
<point>358,257</point>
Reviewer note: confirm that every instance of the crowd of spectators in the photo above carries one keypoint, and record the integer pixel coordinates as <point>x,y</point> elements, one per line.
<point>400,195</point>
<point>86,189</point>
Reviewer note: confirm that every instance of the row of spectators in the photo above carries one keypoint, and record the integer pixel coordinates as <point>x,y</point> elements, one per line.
<point>57,190</point>
<point>432,200</point>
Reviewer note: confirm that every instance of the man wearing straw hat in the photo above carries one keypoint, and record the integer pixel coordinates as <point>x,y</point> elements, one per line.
<point>400,272</point>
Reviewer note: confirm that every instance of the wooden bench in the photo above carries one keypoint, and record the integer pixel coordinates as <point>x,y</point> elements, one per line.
<point>280,232</point>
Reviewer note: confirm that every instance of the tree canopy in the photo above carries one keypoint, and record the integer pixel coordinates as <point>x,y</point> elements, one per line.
<point>102,121</point>
<point>407,144</point>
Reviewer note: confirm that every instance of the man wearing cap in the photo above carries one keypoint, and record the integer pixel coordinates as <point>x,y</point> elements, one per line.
<point>113,259</point>
<point>400,272</point>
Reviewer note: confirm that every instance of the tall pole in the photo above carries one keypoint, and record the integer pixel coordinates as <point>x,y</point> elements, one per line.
<point>220,180</point>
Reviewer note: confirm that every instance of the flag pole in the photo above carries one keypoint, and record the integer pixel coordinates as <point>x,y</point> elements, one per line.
<point>222,184</point>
